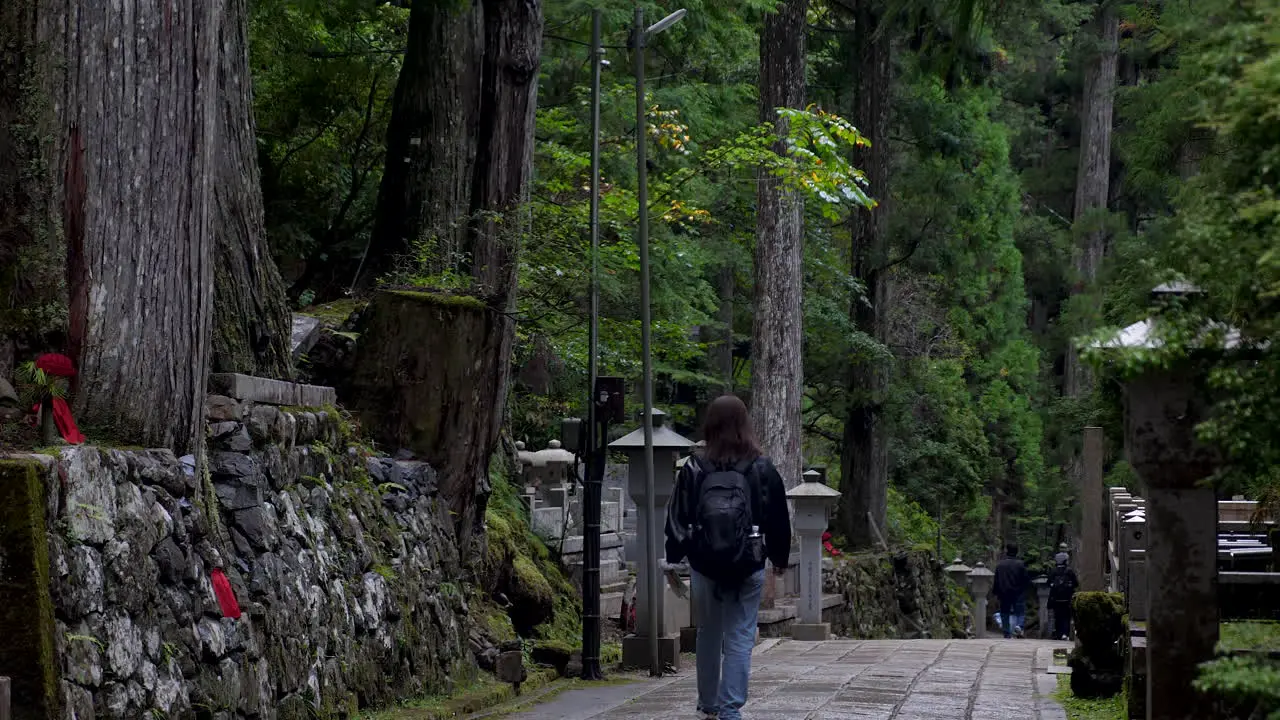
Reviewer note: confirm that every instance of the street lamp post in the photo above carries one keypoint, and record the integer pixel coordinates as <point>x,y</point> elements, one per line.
<point>592,489</point>
<point>640,35</point>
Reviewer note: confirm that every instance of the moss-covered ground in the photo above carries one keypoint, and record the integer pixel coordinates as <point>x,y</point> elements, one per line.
<point>1113,708</point>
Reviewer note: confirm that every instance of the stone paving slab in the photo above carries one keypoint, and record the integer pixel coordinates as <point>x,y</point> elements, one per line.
<point>850,680</point>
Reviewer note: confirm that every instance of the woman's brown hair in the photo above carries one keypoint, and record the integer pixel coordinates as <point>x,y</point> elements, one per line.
<point>727,432</point>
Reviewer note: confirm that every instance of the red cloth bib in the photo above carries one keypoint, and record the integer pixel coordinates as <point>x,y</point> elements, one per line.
<point>226,596</point>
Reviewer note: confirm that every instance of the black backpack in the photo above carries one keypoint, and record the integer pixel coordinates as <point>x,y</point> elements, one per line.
<point>724,548</point>
<point>1060,586</point>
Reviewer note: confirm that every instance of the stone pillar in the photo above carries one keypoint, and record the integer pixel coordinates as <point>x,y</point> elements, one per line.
<point>1089,564</point>
<point>812,501</point>
<point>1042,594</point>
<point>1162,410</point>
<point>1136,599</point>
<point>668,445</point>
<point>980,580</point>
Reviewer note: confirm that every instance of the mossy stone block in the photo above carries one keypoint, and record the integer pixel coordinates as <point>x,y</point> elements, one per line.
<point>26,606</point>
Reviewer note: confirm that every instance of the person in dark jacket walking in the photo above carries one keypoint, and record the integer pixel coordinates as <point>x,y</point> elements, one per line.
<point>1012,581</point>
<point>728,514</point>
<point>1062,588</point>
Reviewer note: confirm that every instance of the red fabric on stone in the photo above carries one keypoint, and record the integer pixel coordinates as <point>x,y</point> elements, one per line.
<point>226,596</point>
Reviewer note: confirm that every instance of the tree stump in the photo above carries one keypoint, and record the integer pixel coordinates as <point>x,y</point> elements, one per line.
<point>430,376</point>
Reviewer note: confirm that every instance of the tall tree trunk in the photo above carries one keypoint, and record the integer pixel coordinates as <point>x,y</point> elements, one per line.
<point>502,178</point>
<point>777,373</point>
<point>864,456</point>
<point>32,271</point>
<point>459,165</point>
<point>128,100</point>
<point>431,141</point>
<point>251,320</point>
<point>1093,176</point>
<point>721,334</point>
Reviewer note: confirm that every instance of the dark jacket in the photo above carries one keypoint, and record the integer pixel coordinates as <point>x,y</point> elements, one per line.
<point>1064,590</point>
<point>775,525</point>
<point>1012,578</point>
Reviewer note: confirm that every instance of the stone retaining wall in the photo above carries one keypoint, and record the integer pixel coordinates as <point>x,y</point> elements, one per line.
<point>896,595</point>
<point>342,563</point>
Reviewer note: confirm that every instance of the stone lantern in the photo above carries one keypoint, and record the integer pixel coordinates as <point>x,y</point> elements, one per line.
<point>958,572</point>
<point>1163,407</point>
<point>529,476</point>
<point>553,517</point>
<point>528,461</point>
<point>812,502</point>
<point>980,581</point>
<point>1042,595</point>
<point>668,446</point>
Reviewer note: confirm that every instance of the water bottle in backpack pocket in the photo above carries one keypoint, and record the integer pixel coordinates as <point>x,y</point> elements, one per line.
<point>727,544</point>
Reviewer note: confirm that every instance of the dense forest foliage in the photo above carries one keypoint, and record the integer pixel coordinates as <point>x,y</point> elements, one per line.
<point>1002,235</point>
<point>959,190</point>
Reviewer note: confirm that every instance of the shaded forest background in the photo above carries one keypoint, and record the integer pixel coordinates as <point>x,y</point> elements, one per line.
<point>1036,168</point>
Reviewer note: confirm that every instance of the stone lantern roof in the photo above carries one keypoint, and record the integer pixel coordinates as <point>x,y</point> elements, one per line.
<point>664,438</point>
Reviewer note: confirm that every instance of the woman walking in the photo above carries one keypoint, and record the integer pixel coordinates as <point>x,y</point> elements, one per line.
<point>727,514</point>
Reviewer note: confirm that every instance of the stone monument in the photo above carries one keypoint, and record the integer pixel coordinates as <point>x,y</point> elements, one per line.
<point>668,446</point>
<point>812,501</point>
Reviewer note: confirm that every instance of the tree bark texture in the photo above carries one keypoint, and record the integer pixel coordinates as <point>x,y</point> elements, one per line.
<point>252,326</point>
<point>129,93</point>
<point>459,167</point>
<point>425,194</point>
<point>777,332</point>
<point>1093,176</point>
<point>427,378</point>
<point>720,351</point>
<point>864,453</point>
<point>32,273</point>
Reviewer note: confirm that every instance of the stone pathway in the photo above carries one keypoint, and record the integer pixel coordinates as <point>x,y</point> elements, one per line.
<point>850,680</point>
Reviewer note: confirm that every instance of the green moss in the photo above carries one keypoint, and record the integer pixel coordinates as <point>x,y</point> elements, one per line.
<point>26,608</point>
<point>334,313</point>
<point>1112,708</point>
<point>443,299</point>
<point>1099,621</point>
<point>472,698</point>
<point>531,578</point>
<point>492,619</point>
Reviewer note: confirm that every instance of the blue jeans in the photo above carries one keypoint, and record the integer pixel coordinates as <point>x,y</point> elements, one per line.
<point>726,636</point>
<point>1007,615</point>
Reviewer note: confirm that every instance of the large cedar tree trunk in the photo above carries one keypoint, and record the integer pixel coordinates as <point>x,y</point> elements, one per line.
<point>1093,176</point>
<point>864,454</point>
<point>31,248</point>
<point>126,101</point>
<point>425,194</point>
<point>777,373</point>
<point>459,167</point>
<point>251,320</point>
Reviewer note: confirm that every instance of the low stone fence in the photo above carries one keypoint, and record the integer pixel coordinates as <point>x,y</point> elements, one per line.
<point>343,566</point>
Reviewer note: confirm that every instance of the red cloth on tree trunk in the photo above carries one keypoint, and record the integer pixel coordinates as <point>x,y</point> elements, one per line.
<point>66,423</point>
<point>226,596</point>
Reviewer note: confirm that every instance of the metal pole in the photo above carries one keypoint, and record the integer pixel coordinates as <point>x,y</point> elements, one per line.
<point>5,699</point>
<point>595,470</point>
<point>642,192</point>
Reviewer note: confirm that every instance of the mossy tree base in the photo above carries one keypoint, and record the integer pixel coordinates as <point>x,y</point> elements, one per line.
<point>430,376</point>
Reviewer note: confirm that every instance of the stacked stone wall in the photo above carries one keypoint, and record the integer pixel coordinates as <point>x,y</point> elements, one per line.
<point>342,563</point>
